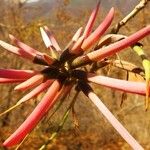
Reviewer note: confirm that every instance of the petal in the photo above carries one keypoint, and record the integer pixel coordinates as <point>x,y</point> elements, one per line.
<point>87,90</point>
<point>77,34</point>
<point>52,38</point>
<point>89,26</point>
<point>94,37</point>
<point>36,91</point>
<point>17,74</point>
<point>8,80</point>
<point>114,122</point>
<point>76,49</point>
<point>123,85</point>
<point>116,47</point>
<point>17,51</point>
<point>31,82</point>
<point>45,38</point>
<point>46,103</point>
<point>23,46</point>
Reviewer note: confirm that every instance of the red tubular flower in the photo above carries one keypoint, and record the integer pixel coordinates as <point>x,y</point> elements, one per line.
<point>36,91</point>
<point>116,47</point>
<point>77,34</point>
<point>114,122</point>
<point>87,40</point>
<point>10,80</point>
<point>26,52</point>
<point>74,41</point>
<point>45,38</point>
<point>94,37</point>
<point>17,74</point>
<point>12,75</point>
<point>47,102</point>
<point>87,90</point>
<point>89,26</point>
<point>61,72</point>
<point>123,85</point>
<point>52,39</point>
<point>76,49</point>
<point>50,43</point>
<point>33,81</point>
<point>23,46</point>
<point>17,51</point>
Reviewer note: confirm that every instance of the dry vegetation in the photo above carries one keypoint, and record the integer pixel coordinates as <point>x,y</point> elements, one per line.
<point>94,131</point>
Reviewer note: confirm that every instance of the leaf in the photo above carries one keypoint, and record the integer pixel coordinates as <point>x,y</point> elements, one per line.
<point>146,65</point>
<point>127,66</point>
<point>109,39</point>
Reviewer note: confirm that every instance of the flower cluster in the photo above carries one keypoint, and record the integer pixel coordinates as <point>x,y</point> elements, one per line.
<point>64,69</point>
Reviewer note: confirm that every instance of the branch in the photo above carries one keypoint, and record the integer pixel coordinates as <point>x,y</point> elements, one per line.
<point>146,63</point>
<point>3,25</point>
<point>135,11</point>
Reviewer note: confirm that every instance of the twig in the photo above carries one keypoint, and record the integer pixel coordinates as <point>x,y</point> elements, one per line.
<point>65,116</point>
<point>17,148</point>
<point>136,47</point>
<point>135,11</point>
<point>3,25</point>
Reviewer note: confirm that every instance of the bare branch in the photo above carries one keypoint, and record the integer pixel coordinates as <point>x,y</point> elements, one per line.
<point>135,11</point>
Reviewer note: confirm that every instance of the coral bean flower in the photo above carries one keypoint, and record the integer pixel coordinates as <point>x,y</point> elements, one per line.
<point>64,69</point>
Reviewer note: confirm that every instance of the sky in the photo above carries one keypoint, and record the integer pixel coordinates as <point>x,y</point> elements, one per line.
<point>30,1</point>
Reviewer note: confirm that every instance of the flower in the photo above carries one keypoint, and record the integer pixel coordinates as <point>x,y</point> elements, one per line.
<point>63,70</point>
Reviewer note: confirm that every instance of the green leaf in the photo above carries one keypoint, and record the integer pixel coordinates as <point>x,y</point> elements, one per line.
<point>146,65</point>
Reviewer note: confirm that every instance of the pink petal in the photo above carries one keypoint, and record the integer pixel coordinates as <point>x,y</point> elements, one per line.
<point>76,49</point>
<point>74,39</point>
<point>17,74</point>
<point>114,122</point>
<point>45,38</point>
<point>64,90</point>
<point>23,46</point>
<point>52,38</point>
<point>77,34</point>
<point>31,82</point>
<point>89,26</point>
<point>46,103</point>
<point>36,91</point>
<point>17,51</point>
<point>116,47</point>
<point>8,80</point>
<point>94,37</point>
<point>123,85</point>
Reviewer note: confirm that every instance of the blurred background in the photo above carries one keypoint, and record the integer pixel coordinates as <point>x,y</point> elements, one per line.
<point>23,18</point>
